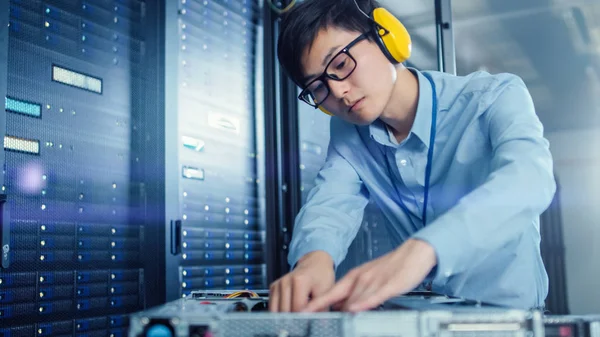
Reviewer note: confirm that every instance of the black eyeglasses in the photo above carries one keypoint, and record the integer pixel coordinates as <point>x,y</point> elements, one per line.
<point>339,68</point>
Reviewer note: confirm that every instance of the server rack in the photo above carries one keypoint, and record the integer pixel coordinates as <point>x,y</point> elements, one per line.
<point>213,122</point>
<point>134,158</point>
<point>4,228</point>
<point>553,254</point>
<point>282,165</point>
<point>77,100</point>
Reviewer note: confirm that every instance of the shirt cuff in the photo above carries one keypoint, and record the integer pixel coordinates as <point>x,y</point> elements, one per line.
<point>448,249</point>
<point>311,245</point>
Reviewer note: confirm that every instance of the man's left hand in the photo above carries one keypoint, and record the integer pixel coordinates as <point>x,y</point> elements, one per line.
<point>372,283</point>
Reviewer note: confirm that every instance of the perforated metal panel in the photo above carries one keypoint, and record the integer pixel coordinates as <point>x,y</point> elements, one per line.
<point>214,63</point>
<point>262,325</point>
<point>75,78</point>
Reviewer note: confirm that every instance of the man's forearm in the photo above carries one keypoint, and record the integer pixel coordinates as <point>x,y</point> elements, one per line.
<point>319,257</point>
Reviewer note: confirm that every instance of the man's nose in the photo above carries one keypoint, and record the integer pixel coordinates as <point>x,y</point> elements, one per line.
<point>338,89</point>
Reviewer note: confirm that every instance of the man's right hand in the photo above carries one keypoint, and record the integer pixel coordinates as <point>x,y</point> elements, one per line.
<point>313,276</point>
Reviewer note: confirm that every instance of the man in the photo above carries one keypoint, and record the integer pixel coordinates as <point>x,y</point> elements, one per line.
<point>459,166</point>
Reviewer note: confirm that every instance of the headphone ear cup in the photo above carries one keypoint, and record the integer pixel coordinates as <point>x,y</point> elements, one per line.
<point>396,43</point>
<point>325,111</point>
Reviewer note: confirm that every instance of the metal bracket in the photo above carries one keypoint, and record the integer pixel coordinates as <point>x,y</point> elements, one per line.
<point>175,237</point>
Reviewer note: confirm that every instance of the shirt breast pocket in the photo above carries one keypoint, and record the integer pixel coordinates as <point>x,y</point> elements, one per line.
<point>473,146</point>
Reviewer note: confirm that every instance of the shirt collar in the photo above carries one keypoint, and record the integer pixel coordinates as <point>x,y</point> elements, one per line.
<point>421,127</point>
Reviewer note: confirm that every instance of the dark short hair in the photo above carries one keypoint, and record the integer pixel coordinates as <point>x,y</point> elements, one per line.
<point>300,26</point>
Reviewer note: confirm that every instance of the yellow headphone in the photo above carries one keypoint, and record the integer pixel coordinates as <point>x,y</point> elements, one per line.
<point>391,36</point>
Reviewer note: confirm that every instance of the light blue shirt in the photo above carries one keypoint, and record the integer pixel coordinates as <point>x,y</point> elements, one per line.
<point>492,177</point>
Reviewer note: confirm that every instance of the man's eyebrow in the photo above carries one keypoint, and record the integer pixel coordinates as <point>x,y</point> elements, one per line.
<point>329,54</point>
<point>307,78</point>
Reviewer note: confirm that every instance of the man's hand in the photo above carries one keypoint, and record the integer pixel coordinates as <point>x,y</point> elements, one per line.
<point>313,276</point>
<point>369,285</point>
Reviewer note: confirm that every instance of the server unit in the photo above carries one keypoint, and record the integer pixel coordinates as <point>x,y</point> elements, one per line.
<point>413,314</point>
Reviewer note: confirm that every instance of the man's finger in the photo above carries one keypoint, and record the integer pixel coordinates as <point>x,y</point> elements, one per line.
<point>319,290</point>
<point>370,300</point>
<point>285,295</point>
<point>338,306</point>
<point>274,298</point>
<point>300,292</point>
<point>359,291</point>
<point>336,294</point>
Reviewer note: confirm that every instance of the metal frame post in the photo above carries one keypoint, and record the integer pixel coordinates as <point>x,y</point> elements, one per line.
<point>445,36</point>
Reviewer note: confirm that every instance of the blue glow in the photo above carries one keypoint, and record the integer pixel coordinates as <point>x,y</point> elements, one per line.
<point>159,330</point>
<point>193,143</point>
<point>26,108</point>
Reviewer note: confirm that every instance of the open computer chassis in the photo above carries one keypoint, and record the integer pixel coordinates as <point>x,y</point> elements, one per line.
<point>416,314</point>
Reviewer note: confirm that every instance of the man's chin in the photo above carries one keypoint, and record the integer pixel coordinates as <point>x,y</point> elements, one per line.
<point>365,119</point>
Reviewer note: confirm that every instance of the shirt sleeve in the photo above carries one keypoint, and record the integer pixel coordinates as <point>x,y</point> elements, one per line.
<point>521,185</point>
<point>333,212</point>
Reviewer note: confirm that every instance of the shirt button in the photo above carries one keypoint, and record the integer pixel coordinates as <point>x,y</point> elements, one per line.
<point>403,162</point>
<point>421,200</point>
